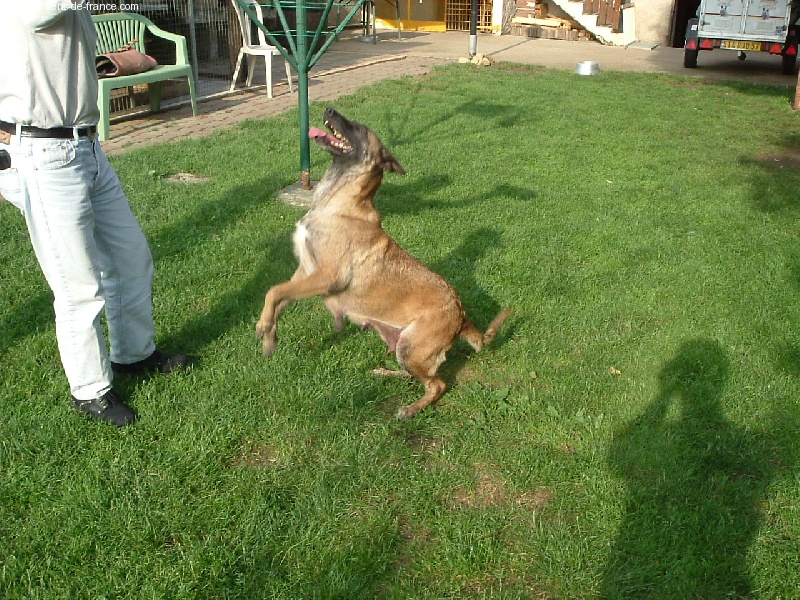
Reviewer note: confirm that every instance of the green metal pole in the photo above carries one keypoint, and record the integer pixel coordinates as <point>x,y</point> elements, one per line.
<point>302,89</point>
<point>301,56</point>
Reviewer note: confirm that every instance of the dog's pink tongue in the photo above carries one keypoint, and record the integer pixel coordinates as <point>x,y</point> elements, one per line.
<point>316,132</point>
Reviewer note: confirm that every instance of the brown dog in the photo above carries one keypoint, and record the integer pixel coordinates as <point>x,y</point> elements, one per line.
<point>363,274</point>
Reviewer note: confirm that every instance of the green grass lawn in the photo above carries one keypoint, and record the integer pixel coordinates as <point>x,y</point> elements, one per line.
<point>631,433</point>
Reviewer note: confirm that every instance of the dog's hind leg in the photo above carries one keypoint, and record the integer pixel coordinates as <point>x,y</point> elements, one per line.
<point>390,335</point>
<point>434,388</point>
<point>338,314</point>
<point>420,351</point>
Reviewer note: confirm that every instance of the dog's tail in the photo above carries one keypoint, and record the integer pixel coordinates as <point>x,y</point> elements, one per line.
<point>478,340</point>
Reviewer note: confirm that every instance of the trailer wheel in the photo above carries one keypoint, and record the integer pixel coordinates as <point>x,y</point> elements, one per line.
<point>790,60</point>
<point>788,64</point>
<point>690,55</point>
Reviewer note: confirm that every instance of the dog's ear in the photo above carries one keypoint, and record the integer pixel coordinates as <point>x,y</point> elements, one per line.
<point>390,162</point>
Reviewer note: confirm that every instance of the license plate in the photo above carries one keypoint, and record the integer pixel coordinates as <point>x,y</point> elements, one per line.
<point>740,45</point>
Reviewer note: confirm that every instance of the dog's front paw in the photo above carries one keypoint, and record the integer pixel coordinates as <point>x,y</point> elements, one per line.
<point>262,328</point>
<point>268,344</point>
<point>266,333</point>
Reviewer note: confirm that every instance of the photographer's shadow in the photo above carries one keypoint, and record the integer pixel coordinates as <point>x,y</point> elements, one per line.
<point>694,485</point>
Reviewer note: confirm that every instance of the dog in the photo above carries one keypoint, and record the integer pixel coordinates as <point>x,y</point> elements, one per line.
<point>361,273</point>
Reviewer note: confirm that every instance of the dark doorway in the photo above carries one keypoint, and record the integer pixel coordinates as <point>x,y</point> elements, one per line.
<point>684,10</point>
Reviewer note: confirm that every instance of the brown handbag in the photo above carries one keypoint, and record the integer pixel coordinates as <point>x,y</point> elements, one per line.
<point>125,61</point>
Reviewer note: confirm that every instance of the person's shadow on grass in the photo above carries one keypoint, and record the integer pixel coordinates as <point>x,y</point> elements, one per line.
<point>694,484</point>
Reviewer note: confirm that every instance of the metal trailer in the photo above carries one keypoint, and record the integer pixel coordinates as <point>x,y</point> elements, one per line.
<point>743,26</point>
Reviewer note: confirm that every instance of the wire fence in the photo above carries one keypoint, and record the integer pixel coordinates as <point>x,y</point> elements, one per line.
<point>211,33</point>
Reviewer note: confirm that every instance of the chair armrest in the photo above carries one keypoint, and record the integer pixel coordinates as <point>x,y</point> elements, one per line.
<point>181,50</point>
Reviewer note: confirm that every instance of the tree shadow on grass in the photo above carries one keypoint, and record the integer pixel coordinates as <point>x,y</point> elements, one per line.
<point>775,187</point>
<point>25,319</point>
<point>400,198</point>
<point>35,313</point>
<point>775,193</point>
<point>408,127</point>
<point>695,482</point>
<point>214,215</point>
<point>231,308</point>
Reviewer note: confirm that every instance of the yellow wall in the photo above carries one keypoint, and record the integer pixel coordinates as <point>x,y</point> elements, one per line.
<point>424,15</point>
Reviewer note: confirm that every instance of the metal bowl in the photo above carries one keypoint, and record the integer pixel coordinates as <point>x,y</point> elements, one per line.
<point>587,67</point>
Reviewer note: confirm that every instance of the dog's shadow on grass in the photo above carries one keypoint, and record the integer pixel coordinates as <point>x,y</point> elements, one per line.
<point>241,303</point>
<point>695,485</point>
<point>458,268</point>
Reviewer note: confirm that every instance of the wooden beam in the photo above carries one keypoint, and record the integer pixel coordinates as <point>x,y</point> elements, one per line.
<point>541,22</point>
<point>796,103</point>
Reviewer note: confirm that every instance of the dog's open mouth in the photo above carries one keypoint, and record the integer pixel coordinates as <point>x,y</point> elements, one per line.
<point>332,142</point>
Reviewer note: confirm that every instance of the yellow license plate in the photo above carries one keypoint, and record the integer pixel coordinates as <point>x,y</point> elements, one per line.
<point>740,45</point>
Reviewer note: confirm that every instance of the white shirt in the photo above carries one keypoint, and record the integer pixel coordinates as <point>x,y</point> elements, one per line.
<point>47,70</point>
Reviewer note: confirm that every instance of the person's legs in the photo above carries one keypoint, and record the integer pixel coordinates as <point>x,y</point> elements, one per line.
<point>126,267</point>
<point>94,256</point>
<point>56,178</point>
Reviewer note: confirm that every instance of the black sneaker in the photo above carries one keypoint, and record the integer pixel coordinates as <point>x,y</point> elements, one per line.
<point>157,362</point>
<point>107,407</point>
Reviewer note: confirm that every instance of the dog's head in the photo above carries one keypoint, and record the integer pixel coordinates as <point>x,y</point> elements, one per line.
<point>352,144</point>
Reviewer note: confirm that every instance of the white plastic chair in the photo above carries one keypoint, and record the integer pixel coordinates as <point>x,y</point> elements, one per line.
<point>262,48</point>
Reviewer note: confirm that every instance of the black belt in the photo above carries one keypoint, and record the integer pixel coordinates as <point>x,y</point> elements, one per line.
<point>52,132</point>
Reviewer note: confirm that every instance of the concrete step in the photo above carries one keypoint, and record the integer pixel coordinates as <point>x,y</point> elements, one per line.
<point>605,35</point>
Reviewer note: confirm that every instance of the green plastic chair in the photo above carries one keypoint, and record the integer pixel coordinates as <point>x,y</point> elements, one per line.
<point>115,30</point>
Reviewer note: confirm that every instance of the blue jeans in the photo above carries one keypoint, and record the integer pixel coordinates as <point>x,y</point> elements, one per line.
<point>92,253</point>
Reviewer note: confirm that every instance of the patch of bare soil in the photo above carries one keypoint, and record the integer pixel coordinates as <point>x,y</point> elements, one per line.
<point>258,455</point>
<point>492,490</point>
<point>188,178</point>
<point>786,160</point>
